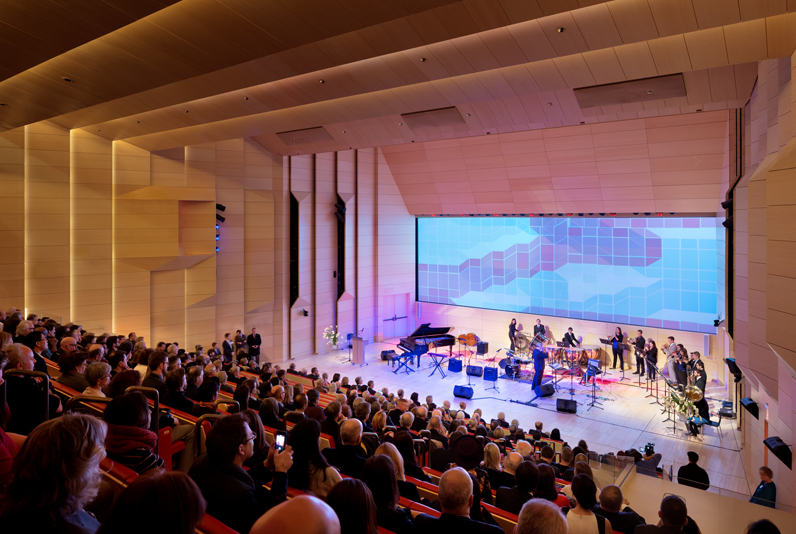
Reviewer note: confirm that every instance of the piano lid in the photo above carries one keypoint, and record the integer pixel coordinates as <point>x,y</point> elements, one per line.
<point>426,330</point>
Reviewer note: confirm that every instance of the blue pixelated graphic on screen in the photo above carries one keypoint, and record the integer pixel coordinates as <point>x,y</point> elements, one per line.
<point>648,272</point>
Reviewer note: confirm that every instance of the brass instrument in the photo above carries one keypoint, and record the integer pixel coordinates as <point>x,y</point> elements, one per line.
<point>692,393</point>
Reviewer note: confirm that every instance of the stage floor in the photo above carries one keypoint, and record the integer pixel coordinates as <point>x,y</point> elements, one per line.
<point>627,420</point>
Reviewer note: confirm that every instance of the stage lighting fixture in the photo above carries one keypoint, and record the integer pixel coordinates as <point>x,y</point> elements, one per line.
<point>217,227</point>
<point>647,213</point>
<point>727,204</point>
<point>220,218</point>
<point>660,214</point>
<point>613,214</point>
<point>221,207</point>
<point>602,215</point>
<point>580,215</point>
<point>218,237</point>
<point>218,249</point>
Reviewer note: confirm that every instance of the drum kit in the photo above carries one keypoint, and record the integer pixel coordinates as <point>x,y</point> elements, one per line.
<point>512,363</point>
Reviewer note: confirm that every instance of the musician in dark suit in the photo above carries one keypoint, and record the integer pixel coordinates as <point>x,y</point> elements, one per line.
<point>651,355</point>
<point>700,381</point>
<point>254,341</point>
<point>570,340</point>
<point>638,345</point>
<point>512,333</point>
<point>228,348</point>
<point>539,357</point>
<point>673,514</point>
<point>617,340</point>
<point>539,328</point>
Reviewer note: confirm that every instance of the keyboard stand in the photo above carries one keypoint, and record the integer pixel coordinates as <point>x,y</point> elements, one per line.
<point>436,361</point>
<point>403,363</point>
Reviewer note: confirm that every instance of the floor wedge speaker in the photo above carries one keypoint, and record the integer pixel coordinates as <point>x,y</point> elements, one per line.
<point>465,392</point>
<point>566,405</point>
<point>474,370</point>
<point>545,390</point>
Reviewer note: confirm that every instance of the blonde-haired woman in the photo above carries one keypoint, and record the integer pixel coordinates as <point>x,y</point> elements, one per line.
<point>378,422</point>
<point>406,489</point>
<point>491,457</point>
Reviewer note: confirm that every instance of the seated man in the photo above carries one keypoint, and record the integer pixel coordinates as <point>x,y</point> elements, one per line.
<point>195,377</point>
<point>540,516</point>
<point>299,405</point>
<point>623,520</point>
<point>455,499</point>
<point>512,499</point>
<point>157,369</point>
<point>547,458</point>
<point>176,383</point>
<point>208,395</point>
<point>349,458</point>
<point>506,478</point>
<point>407,420</point>
<point>420,422</point>
<point>317,517</point>
<point>24,393</point>
<point>73,365</point>
<point>437,432</point>
<point>673,514</point>
<point>236,497</point>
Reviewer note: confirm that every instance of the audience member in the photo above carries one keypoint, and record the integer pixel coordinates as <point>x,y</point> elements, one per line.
<point>407,489</point>
<point>299,405</point>
<point>331,423</point>
<point>269,413</point>
<point>693,475</point>
<point>581,519</point>
<point>546,486</point>
<point>98,376</point>
<point>172,501</point>
<point>539,516</point>
<point>610,507</point>
<point>766,492</point>
<point>404,442</point>
<point>176,384</point>
<point>208,395</point>
<point>584,469</point>
<point>349,458</point>
<point>234,496</point>
<point>455,499</point>
<point>506,478</point>
<point>121,381</point>
<point>317,517</point>
<point>512,499</point>
<point>195,378</point>
<point>55,474</point>
<point>310,472</point>
<point>673,514</point>
<point>24,393</point>
<point>129,440</point>
<point>353,503</point>
<point>379,475</point>
<point>73,365</point>
<point>764,526</point>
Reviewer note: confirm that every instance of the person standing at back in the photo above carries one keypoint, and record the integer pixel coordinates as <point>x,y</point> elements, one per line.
<point>254,341</point>
<point>693,475</point>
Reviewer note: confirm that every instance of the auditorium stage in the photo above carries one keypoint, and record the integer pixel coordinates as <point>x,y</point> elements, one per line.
<point>627,419</point>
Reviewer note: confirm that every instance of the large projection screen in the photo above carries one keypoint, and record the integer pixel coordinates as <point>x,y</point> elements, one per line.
<point>656,272</point>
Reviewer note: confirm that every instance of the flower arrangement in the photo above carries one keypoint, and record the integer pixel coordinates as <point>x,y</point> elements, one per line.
<point>681,404</point>
<point>331,335</point>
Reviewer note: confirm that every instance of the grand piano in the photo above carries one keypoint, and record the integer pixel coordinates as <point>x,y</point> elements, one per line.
<point>417,344</point>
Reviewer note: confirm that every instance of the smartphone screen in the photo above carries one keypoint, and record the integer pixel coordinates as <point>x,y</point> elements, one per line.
<point>280,441</point>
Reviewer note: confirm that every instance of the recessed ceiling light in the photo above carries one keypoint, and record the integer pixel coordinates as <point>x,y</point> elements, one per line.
<point>649,92</point>
<point>139,122</point>
<point>560,29</point>
<point>99,130</point>
<point>349,148</point>
<point>583,122</point>
<point>400,124</point>
<point>549,103</point>
<point>245,98</point>
<point>294,139</point>
<point>468,114</point>
<point>322,81</point>
<point>343,131</point>
<point>70,80</point>
<point>422,60</point>
<point>413,140</point>
<point>186,111</point>
<point>488,133</point>
<point>3,104</point>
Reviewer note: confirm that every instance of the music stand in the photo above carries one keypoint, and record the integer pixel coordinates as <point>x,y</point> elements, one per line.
<point>651,394</point>
<point>591,370</point>
<point>606,342</point>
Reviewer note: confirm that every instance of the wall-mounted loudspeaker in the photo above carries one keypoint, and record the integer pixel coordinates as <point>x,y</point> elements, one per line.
<point>751,407</point>
<point>780,449</point>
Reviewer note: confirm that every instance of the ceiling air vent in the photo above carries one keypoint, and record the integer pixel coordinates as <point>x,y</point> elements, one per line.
<point>433,118</point>
<point>671,86</point>
<point>317,134</point>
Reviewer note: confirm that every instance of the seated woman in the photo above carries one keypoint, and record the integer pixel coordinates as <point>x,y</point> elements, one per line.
<point>222,382</point>
<point>129,440</point>
<point>406,447</point>
<point>98,376</point>
<point>269,413</point>
<point>546,486</point>
<point>310,471</point>
<point>379,475</point>
<point>73,365</point>
<point>254,393</point>
<point>353,503</point>
<point>177,383</point>
<point>581,468</point>
<point>55,474</point>
<point>581,519</point>
<point>261,447</point>
<point>406,489</point>
<point>491,463</point>
<point>172,501</point>
<point>121,381</point>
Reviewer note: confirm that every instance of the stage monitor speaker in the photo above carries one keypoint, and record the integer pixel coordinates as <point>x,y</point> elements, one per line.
<point>751,407</point>
<point>482,347</point>
<point>780,449</point>
<point>474,370</point>
<point>545,390</point>
<point>455,366</point>
<point>465,392</point>
<point>491,374</point>
<point>566,405</point>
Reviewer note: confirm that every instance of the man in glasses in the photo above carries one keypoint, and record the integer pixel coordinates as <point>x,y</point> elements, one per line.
<point>234,496</point>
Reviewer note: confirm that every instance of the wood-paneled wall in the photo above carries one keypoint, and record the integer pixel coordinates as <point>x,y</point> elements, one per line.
<point>765,269</point>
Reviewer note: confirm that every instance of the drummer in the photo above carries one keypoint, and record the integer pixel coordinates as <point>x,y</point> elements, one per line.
<point>570,340</point>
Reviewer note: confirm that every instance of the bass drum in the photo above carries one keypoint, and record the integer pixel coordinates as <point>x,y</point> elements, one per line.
<point>504,363</point>
<point>512,371</point>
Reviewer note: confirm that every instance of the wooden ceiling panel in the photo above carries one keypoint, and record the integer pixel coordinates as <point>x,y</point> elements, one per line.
<point>673,17</point>
<point>780,35</point>
<point>566,42</point>
<point>503,46</point>
<point>636,60</point>
<point>670,54</point>
<point>574,70</point>
<point>604,66</point>
<point>488,14</point>
<point>753,9</point>
<point>746,41</point>
<point>712,13</point>
<point>532,41</point>
<point>707,48</point>
<point>597,27</point>
<point>521,10</point>
<point>634,20</point>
